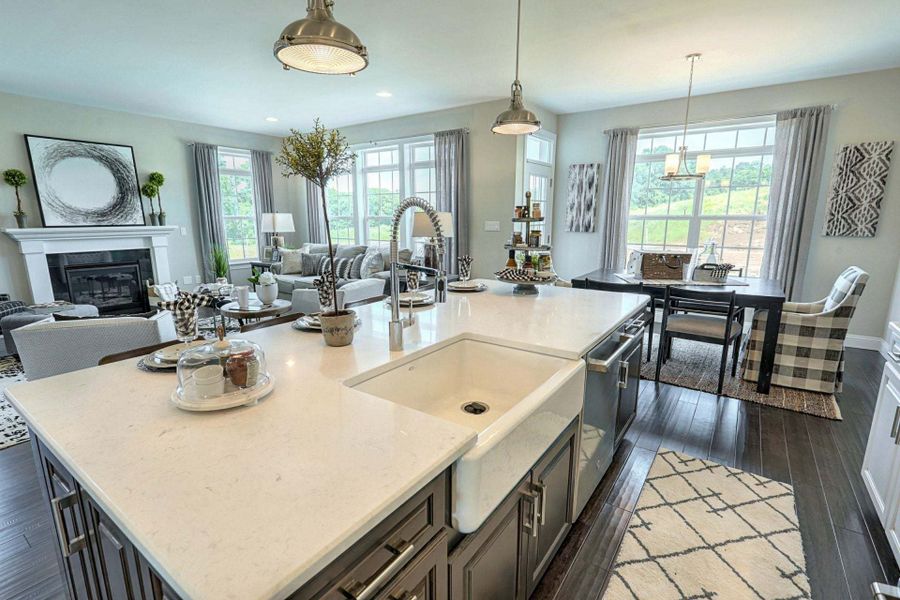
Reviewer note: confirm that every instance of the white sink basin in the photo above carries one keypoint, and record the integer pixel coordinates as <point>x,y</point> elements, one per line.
<point>529,399</point>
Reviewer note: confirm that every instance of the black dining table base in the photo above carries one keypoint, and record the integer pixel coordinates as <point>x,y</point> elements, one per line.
<point>758,294</point>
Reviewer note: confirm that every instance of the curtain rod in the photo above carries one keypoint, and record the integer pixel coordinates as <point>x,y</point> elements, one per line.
<point>397,139</point>
<point>833,106</point>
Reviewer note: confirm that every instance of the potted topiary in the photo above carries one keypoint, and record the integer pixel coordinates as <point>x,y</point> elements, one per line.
<point>219,264</point>
<point>321,155</point>
<point>149,190</point>
<point>17,179</point>
<point>158,179</point>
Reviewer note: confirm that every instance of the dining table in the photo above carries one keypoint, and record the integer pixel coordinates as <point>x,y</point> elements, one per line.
<point>750,292</point>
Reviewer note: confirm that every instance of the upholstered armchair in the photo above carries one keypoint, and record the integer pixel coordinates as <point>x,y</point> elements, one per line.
<point>51,347</point>
<point>810,350</point>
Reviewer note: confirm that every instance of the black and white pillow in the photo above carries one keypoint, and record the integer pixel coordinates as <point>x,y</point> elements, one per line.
<point>342,267</point>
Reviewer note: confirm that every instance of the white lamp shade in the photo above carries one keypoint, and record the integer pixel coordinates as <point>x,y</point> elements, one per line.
<point>672,163</point>
<point>277,223</point>
<point>422,225</point>
<point>703,164</point>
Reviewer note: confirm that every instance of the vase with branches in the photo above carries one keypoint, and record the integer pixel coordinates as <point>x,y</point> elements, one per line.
<point>17,179</point>
<point>148,190</point>
<point>320,155</point>
<point>158,179</point>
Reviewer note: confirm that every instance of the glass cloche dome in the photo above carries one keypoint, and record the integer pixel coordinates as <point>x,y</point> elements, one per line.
<point>221,374</point>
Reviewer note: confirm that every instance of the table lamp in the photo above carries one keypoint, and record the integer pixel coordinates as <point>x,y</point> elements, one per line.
<point>274,223</point>
<point>422,228</point>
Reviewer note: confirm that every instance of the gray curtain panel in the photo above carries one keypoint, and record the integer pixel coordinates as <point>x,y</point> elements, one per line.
<point>209,196</point>
<point>616,197</point>
<point>263,193</point>
<point>451,166</point>
<point>796,172</point>
<point>314,216</point>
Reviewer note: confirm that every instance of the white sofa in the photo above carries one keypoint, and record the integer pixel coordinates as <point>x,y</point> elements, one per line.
<point>357,290</point>
<point>50,347</point>
<point>288,282</point>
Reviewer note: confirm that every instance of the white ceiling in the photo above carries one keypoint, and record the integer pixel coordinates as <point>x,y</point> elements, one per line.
<point>210,61</point>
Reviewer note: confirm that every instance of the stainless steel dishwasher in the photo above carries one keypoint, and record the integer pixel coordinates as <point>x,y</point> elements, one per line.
<point>610,404</point>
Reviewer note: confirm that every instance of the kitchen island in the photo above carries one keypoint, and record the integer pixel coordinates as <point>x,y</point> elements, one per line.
<point>254,502</point>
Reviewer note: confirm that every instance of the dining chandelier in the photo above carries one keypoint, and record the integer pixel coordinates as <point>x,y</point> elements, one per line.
<point>676,167</point>
<point>319,44</point>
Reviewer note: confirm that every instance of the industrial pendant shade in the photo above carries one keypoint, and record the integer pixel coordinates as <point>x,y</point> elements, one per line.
<point>516,120</point>
<point>319,44</point>
<point>676,167</point>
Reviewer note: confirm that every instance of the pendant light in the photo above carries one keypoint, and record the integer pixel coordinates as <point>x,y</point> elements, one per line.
<point>516,120</point>
<point>676,168</point>
<point>319,44</point>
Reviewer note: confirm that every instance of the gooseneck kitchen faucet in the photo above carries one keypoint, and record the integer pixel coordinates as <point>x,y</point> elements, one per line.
<point>395,329</point>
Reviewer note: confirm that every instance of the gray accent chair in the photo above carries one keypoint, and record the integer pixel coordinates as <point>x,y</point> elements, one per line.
<point>26,316</point>
<point>50,347</point>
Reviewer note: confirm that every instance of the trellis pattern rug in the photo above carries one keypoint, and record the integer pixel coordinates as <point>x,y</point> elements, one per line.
<point>695,365</point>
<point>12,428</point>
<point>703,530</point>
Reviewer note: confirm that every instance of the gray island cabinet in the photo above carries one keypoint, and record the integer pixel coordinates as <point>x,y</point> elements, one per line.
<point>413,554</point>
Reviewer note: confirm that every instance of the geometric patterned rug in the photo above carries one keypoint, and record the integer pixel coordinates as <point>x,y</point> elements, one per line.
<point>12,428</point>
<point>704,530</point>
<point>695,365</point>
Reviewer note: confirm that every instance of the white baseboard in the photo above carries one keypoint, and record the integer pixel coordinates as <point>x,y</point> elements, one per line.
<point>865,342</point>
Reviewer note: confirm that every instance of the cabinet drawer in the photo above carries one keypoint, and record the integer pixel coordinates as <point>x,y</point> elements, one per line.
<point>373,561</point>
<point>425,578</point>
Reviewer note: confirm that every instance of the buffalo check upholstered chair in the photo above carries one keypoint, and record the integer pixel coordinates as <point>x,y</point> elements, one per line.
<point>810,350</point>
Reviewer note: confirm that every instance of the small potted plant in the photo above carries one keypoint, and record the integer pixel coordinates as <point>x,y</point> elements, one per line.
<point>17,179</point>
<point>266,286</point>
<point>321,155</point>
<point>149,190</point>
<point>220,264</point>
<point>158,179</point>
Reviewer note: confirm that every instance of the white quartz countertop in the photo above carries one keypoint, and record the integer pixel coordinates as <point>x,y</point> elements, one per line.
<point>252,502</point>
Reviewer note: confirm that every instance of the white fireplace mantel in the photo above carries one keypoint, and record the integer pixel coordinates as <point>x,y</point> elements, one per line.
<point>35,243</point>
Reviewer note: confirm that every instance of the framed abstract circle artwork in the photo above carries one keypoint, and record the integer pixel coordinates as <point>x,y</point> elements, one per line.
<point>82,184</point>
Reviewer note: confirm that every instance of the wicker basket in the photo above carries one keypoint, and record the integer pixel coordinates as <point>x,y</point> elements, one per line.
<point>664,265</point>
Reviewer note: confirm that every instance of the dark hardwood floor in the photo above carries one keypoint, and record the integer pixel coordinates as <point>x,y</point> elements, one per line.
<point>846,549</point>
<point>845,546</point>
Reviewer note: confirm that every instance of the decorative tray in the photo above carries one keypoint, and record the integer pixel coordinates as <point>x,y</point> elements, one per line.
<point>311,323</point>
<point>239,397</point>
<point>523,277</point>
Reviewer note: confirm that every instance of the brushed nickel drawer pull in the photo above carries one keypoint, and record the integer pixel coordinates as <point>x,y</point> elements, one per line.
<point>58,505</point>
<point>602,366</point>
<point>543,503</point>
<point>386,574</point>
<point>623,374</point>
<point>896,422</point>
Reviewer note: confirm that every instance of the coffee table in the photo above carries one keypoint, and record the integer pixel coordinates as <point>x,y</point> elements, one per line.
<point>255,311</point>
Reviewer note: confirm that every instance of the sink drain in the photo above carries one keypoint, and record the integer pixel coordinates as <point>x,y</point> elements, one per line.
<point>475,408</point>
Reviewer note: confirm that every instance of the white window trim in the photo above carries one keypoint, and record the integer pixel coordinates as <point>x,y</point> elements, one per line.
<point>697,217</point>
<point>242,152</point>
<point>543,169</point>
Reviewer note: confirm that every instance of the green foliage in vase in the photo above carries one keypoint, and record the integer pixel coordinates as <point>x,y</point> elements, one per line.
<point>149,190</point>
<point>17,179</point>
<point>157,179</point>
<point>254,276</point>
<point>219,261</point>
<point>319,155</point>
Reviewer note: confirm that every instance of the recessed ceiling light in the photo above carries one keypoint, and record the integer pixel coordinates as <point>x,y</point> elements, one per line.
<point>272,119</point>
<point>383,94</point>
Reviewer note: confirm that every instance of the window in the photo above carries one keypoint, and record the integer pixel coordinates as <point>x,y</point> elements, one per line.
<point>361,204</point>
<point>540,154</point>
<point>238,210</point>
<point>729,206</point>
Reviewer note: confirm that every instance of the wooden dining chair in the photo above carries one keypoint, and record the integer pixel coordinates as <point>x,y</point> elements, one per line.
<point>136,353</point>
<point>632,288</point>
<point>713,319</point>
<point>288,318</point>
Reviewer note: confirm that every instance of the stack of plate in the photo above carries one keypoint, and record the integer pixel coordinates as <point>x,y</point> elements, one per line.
<point>416,298</point>
<point>166,359</point>
<point>312,323</point>
<point>466,286</point>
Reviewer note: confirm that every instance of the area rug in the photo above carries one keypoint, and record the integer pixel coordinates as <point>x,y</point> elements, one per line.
<point>695,365</point>
<point>703,530</point>
<point>12,428</point>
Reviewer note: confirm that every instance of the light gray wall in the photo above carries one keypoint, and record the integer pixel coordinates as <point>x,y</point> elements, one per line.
<point>868,109</point>
<point>492,168</point>
<point>159,145</point>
